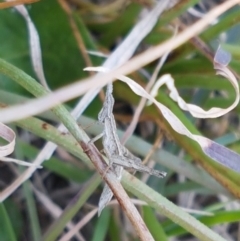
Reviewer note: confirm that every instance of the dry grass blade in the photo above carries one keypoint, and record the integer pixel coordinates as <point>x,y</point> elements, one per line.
<point>79,225</point>
<point>35,47</point>
<point>120,194</point>
<point>19,162</point>
<point>15,3</point>
<point>25,176</point>
<point>79,88</point>
<point>66,173</point>
<point>217,152</point>
<point>142,103</point>
<point>127,48</point>
<point>55,211</point>
<point>91,214</point>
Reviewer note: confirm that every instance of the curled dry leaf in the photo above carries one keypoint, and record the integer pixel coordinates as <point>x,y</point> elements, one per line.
<point>217,152</point>
<point>221,60</point>
<point>8,134</point>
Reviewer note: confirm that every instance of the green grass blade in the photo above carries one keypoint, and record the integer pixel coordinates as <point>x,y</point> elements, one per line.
<point>167,208</point>
<point>101,227</point>
<point>32,211</point>
<point>153,224</point>
<point>7,232</point>
<point>218,218</point>
<point>57,227</point>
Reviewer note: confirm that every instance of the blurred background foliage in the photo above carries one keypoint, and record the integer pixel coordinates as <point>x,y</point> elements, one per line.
<point>102,25</point>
